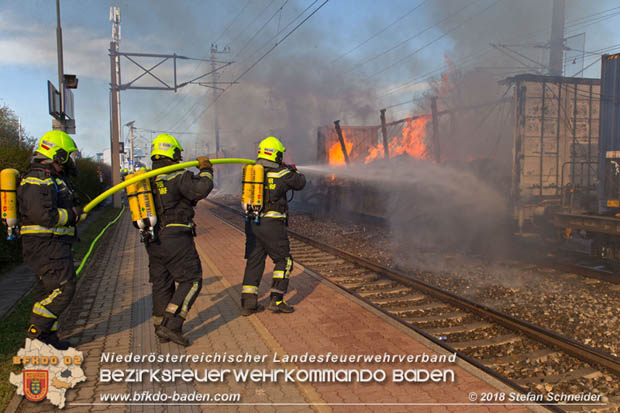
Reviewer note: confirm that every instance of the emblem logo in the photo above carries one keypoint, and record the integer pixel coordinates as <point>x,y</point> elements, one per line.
<point>36,384</point>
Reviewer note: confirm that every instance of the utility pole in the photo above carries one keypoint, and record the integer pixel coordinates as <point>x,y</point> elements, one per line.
<point>60,124</point>
<point>115,101</point>
<point>386,148</point>
<point>214,78</point>
<point>435,119</point>
<point>341,140</point>
<point>116,86</point>
<point>556,53</point>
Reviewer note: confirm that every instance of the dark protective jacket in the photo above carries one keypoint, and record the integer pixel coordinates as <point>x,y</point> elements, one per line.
<point>278,180</point>
<point>175,195</point>
<point>45,201</point>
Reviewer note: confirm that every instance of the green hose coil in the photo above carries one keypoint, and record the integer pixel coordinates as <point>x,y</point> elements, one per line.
<point>92,244</point>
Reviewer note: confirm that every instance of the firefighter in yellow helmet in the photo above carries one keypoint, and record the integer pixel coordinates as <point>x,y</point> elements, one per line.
<point>49,212</point>
<point>269,237</point>
<point>174,267</point>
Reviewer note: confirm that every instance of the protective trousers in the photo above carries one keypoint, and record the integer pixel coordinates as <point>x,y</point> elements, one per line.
<point>173,259</point>
<point>51,260</point>
<point>269,237</point>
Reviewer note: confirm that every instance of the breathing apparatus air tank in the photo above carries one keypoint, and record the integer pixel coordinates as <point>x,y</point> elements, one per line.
<point>8,196</point>
<point>148,217</point>
<point>247,189</point>
<point>257,193</point>
<point>134,205</point>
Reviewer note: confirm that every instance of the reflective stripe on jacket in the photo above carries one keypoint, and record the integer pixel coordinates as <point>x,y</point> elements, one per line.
<point>45,203</point>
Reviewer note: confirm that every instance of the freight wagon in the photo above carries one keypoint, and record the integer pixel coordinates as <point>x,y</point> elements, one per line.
<point>555,151</point>
<point>566,169</point>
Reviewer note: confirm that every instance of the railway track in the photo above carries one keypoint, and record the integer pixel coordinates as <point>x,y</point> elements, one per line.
<point>570,261</point>
<point>596,270</point>
<point>527,357</point>
<point>563,260</point>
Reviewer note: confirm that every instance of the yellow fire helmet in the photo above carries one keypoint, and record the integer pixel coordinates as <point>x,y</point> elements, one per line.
<point>57,145</point>
<point>165,145</point>
<point>271,149</point>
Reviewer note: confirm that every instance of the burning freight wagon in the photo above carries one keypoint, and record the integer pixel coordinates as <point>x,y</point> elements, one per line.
<point>364,144</point>
<point>343,189</point>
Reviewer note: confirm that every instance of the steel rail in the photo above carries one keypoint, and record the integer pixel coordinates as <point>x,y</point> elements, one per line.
<point>371,266</point>
<point>579,350</point>
<point>550,338</point>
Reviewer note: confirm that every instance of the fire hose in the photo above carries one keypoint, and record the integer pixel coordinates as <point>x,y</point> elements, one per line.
<point>92,244</point>
<point>156,172</point>
<point>130,181</point>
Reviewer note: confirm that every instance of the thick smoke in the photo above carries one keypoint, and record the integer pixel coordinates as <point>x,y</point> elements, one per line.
<point>288,95</point>
<point>428,207</point>
<point>443,209</point>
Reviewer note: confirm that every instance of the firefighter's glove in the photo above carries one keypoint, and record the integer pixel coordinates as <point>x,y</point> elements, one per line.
<point>204,164</point>
<point>76,214</point>
<point>291,167</point>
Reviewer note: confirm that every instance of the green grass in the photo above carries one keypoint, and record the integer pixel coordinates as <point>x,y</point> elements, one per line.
<point>13,327</point>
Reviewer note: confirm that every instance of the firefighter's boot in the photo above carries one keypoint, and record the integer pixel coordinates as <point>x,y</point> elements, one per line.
<point>250,305</point>
<point>171,329</point>
<point>53,340</point>
<point>50,338</point>
<point>157,320</point>
<point>280,306</point>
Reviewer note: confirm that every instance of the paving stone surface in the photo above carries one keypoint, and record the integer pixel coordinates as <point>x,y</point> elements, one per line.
<point>13,286</point>
<point>324,322</point>
<point>111,312</point>
<point>17,282</point>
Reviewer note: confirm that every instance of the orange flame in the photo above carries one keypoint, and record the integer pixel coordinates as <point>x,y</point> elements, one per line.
<point>411,142</point>
<point>335,155</point>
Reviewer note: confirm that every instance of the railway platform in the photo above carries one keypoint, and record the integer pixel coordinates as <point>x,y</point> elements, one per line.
<point>110,316</point>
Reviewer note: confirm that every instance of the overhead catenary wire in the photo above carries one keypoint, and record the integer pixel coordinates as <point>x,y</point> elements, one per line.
<point>403,16</point>
<point>275,36</point>
<point>410,101</point>
<point>256,19</point>
<point>433,41</point>
<point>183,97</point>
<point>279,10</point>
<point>232,21</point>
<point>595,53</point>
<point>195,105</point>
<point>465,61</point>
<point>171,132</point>
<point>595,61</point>
<point>245,72</point>
<point>280,41</point>
<point>407,40</point>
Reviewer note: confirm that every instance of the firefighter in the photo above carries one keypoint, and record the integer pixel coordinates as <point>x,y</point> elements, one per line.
<point>174,266</point>
<point>269,235</point>
<point>49,212</point>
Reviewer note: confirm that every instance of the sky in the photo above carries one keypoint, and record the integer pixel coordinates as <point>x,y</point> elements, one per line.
<point>347,61</point>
